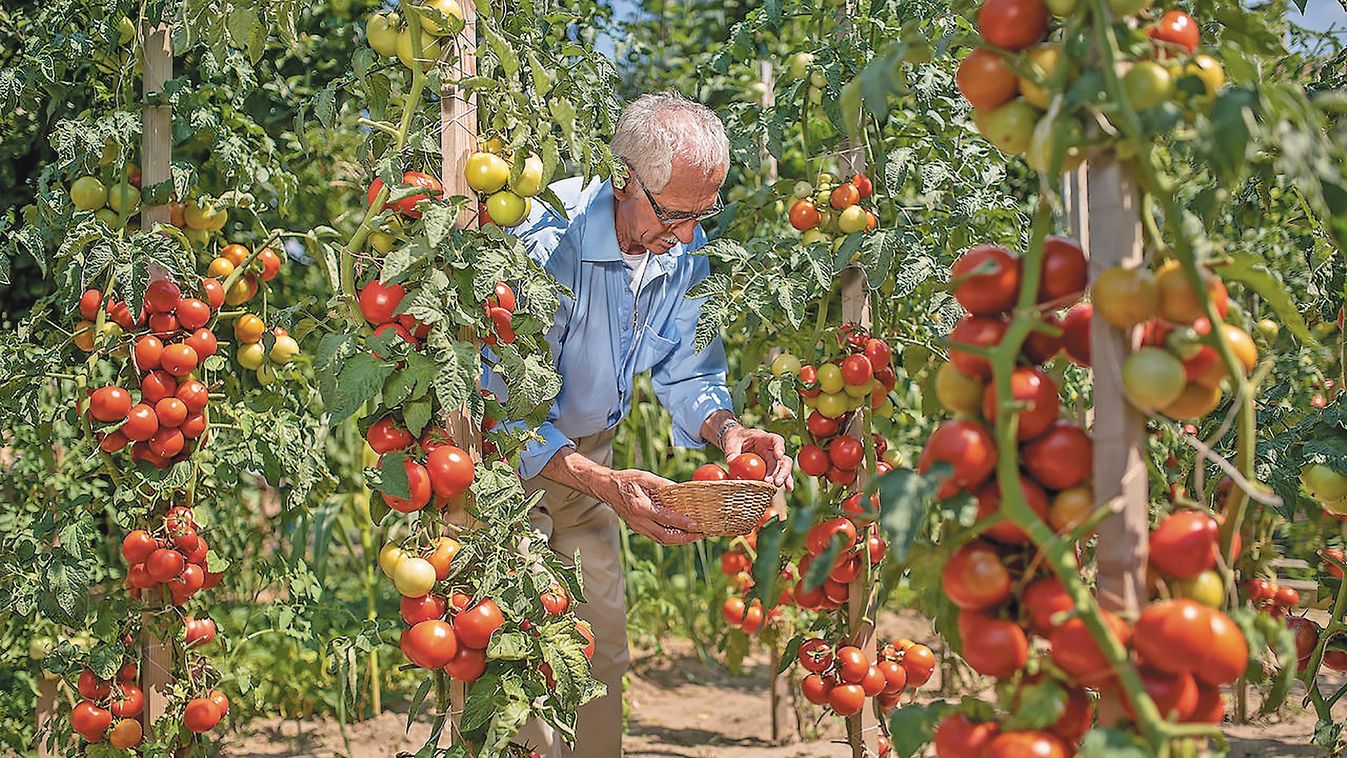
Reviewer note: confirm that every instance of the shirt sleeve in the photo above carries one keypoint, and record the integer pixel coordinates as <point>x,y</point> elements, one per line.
<point>691,384</point>
<point>541,239</point>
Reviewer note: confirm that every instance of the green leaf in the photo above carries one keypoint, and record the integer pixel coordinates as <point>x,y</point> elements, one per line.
<point>65,595</point>
<point>904,497</point>
<point>1112,743</point>
<point>1037,706</point>
<point>913,726</point>
<point>360,380</point>
<point>1252,272</point>
<point>767,565</point>
<point>393,475</point>
<point>419,699</point>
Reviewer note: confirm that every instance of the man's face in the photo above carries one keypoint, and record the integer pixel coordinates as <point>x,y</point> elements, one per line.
<point>639,228</point>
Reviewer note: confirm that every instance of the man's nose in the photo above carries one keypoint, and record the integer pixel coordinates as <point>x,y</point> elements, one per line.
<point>683,230</point>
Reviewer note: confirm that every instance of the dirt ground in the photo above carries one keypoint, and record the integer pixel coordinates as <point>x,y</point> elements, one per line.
<point>681,707</point>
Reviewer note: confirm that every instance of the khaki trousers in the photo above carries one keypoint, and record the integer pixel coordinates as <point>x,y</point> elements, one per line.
<point>573,521</point>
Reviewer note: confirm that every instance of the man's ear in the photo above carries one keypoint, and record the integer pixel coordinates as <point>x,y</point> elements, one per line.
<point>621,191</point>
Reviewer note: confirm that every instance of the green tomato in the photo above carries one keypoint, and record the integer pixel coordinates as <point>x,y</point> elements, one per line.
<point>126,31</point>
<point>266,374</point>
<point>381,31</point>
<point>1041,145</point>
<point>382,241</point>
<point>123,198</point>
<point>1152,378</point>
<point>450,24</point>
<point>507,209</point>
<point>815,95</point>
<point>389,558</point>
<point>859,390</point>
<point>252,355</point>
<point>1268,328</point>
<point>1324,483</point>
<point>414,576</point>
<point>88,194</point>
<point>486,172</point>
<point>797,65</point>
<point>786,364</point>
<point>832,405</point>
<point>830,378</point>
<point>1010,128</point>
<point>1061,8</point>
<point>1045,58</point>
<point>285,349</point>
<point>1209,70</point>
<point>1147,84</point>
<point>530,181</point>
<point>1206,588</point>
<point>802,190</point>
<point>852,220</point>
<point>108,217</point>
<point>818,79</point>
<point>40,647</point>
<point>429,54</point>
<point>814,236</point>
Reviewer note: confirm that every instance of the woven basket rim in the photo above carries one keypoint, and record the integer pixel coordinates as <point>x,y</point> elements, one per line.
<point>716,483</point>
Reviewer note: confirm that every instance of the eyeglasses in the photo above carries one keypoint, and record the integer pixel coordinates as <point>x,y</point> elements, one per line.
<point>674,218</point>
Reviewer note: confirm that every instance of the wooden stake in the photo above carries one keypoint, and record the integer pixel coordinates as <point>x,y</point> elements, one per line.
<point>1108,209</point>
<point>156,150</point>
<point>46,712</point>
<point>458,140</point>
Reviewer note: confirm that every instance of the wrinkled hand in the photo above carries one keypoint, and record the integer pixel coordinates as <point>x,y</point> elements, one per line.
<point>770,447</point>
<point>629,494</point>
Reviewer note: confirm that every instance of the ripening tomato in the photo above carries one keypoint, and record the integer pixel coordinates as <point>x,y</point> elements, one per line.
<point>986,280</point>
<point>440,554</point>
<point>451,471</point>
<point>710,472</point>
<point>989,503</point>
<point>1065,272</point>
<point>378,302</point>
<point>468,665</point>
<point>418,483</point>
<point>162,295</point>
<point>1124,297</point>
<point>475,625</point>
<point>863,185</point>
<point>385,436</point>
<point>815,689</point>
<point>108,404</point>
<point>192,313</point>
<point>125,734</point>
<point>201,715</point>
<point>407,205</point>
<point>993,647</point>
<point>804,215</point>
<point>194,395</point>
<point>846,453</point>
<point>1026,745</point>
<point>974,578</point>
<point>271,263</point>
<point>748,466</point>
<point>813,460</point>
<point>90,720</point>
<point>1173,636</point>
<point>1035,394</point>
<point>90,302</point>
<point>179,360</point>
<point>1184,544</point>
<point>1013,24</point>
<point>1229,653</point>
<point>986,79</point>
<point>1177,28</point>
<point>1060,458</point>
<point>1075,652</point>
<point>975,331</point>
<point>957,737</point>
<point>967,447</point>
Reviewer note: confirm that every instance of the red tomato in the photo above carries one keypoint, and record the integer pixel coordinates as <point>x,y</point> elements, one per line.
<point>215,294</point>
<point>815,654</point>
<point>844,196</point>
<point>385,436</point>
<point>874,682</point>
<point>91,687</point>
<point>556,602</point>
<point>163,324</point>
<point>1013,24</point>
<point>90,720</point>
<point>974,577</point>
<point>451,471</point>
<point>957,737</point>
<point>986,279</point>
<point>430,644</point>
<point>137,546</point>
<point>895,677</point>
<point>1210,708</point>
<point>813,460</point>
<point>89,304</point>
<point>194,395</point>
<point>141,423</point>
<point>846,699</point>
<point>148,351</point>
<point>986,80</point>
<point>1178,28</point>
<point>378,302</point>
<point>193,313</point>
<point>821,534</point>
<point>1173,636</point>
<point>1026,745</point>
<point>418,482</point>
<point>815,689</point>
<point>271,263</point>
<point>164,564</point>
<point>467,666</point>
<point>820,426</point>
<point>1184,544</point>
<point>179,360</point>
<point>221,702</point>
<point>1174,694</point>
<point>202,342</point>
<point>199,631</point>
<point>880,354</point>
<point>1043,600</point>
<point>108,404</point>
<point>1033,391</point>
<point>156,386</point>
<point>989,502</point>
<point>171,412</point>
<point>856,370</point>
<point>424,608</point>
<point>1306,633</point>
<point>1060,458</point>
<point>475,625</point>
<point>167,442</point>
<point>710,472</point>
<point>201,715</point>
<point>130,703</point>
<point>846,452</point>
<point>162,295</point>
<point>1040,347</point>
<point>748,466</point>
<point>503,297</point>
<point>112,441</point>
<point>975,331</point>
<point>1065,273</point>
<point>803,215</point>
<point>1286,597</point>
<point>919,663</point>
<point>965,446</point>
<point>407,205</point>
<point>863,185</point>
<point>1074,650</point>
<point>1076,333</point>
<point>993,647</point>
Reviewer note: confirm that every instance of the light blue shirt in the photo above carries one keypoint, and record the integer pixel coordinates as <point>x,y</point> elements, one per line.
<point>603,337</point>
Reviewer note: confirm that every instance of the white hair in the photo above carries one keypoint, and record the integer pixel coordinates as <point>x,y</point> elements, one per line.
<point>654,128</point>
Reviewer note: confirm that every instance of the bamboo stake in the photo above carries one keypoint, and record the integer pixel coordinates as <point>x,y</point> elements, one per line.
<point>156,149</point>
<point>46,713</point>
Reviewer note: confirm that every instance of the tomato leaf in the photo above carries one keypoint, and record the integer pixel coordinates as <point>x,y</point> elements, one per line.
<point>767,568</point>
<point>912,727</point>
<point>1252,272</point>
<point>65,594</point>
<point>1112,743</point>
<point>788,655</point>
<point>419,699</point>
<point>904,496</point>
<point>359,381</point>
<point>1037,706</point>
<point>393,475</point>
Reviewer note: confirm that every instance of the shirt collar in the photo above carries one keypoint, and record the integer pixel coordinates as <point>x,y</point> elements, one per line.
<point>599,240</point>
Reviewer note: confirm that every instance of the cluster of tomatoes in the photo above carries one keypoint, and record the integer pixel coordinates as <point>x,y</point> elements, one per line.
<point>832,207</point>
<point>850,550</point>
<point>503,201</point>
<point>170,418</point>
<point>108,709</point>
<point>172,557</point>
<point>1177,371</point>
<point>737,565</point>
<point>265,265</point>
<point>1010,82</point>
<point>390,36</point>
<point>115,203</point>
<point>842,676</point>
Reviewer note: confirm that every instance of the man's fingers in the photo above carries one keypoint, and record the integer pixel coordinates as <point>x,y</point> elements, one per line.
<point>673,519</point>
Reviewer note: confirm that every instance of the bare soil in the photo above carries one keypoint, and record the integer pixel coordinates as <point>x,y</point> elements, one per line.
<point>682,707</point>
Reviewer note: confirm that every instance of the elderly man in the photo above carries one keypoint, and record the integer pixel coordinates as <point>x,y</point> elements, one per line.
<point>623,253</point>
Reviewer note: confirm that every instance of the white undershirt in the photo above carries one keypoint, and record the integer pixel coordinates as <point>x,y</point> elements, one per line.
<point>636,269</point>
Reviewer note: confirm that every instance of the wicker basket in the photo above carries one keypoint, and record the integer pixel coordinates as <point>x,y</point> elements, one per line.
<point>722,508</point>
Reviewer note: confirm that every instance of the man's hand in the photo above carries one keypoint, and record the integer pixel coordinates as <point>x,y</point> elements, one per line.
<point>770,447</point>
<point>628,492</point>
